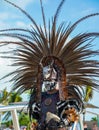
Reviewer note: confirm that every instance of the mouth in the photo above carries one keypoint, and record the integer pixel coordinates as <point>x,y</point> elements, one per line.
<point>49,86</point>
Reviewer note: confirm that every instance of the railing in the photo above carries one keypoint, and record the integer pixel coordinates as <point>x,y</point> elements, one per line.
<point>13,109</point>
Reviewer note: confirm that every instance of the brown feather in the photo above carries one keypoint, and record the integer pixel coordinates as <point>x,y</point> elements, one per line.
<point>78,68</point>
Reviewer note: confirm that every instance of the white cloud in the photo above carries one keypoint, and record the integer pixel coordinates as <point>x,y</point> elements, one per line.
<point>5,67</point>
<point>5,22</point>
<point>3,17</point>
<point>23,3</point>
<point>8,39</point>
<point>3,61</point>
<point>6,15</point>
<point>21,24</point>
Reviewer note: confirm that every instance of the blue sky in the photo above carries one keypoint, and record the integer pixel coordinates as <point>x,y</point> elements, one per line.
<point>72,10</point>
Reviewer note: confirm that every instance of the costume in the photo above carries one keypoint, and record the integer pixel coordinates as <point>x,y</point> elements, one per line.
<point>55,69</point>
<point>56,107</point>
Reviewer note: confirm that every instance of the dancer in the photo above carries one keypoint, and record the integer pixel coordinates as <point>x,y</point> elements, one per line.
<point>55,69</point>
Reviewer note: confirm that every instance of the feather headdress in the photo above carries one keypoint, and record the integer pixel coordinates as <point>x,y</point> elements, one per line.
<point>39,44</point>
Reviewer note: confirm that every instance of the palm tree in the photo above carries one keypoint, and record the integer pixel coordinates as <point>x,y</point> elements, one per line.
<point>5,97</point>
<point>14,97</point>
<point>24,119</point>
<point>88,94</point>
<point>9,97</point>
<point>94,119</point>
<point>4,100</point>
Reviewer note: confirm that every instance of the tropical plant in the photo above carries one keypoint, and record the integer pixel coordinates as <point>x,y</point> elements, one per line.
<point>7,123</point>
<point>88,94</point>
<point>9,97</point>
<point>94,119</point>
<point>24,119</point>
<point>14,97</point>
<point>5,97</point>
